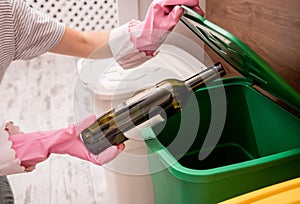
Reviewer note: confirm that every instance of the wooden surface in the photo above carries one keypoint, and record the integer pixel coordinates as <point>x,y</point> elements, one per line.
<point>270,27</point>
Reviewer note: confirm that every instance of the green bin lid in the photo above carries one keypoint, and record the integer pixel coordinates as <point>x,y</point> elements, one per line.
<point>241,57</point>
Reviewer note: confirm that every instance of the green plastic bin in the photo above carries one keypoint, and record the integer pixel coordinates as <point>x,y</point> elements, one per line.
<point>260,141</point>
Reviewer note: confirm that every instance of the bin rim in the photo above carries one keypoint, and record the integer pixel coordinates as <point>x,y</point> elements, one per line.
<point>90,71</point>
<point>214,174</point>
<point>241,57</point>
<point>157,150</point>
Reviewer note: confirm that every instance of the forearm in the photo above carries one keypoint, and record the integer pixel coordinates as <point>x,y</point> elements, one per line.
<point>84,44</point>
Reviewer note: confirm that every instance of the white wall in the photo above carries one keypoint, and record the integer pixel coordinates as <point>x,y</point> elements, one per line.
<point>128,9</point>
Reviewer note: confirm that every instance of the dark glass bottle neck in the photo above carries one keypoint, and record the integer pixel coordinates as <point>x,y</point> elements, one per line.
<point>209,74</point>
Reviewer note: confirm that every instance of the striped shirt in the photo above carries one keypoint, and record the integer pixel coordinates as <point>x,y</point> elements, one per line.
<point>25,33</point>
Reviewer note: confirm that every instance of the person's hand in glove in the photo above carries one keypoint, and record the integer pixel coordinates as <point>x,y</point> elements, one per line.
<point>137,41</point>
<point>33,148</point>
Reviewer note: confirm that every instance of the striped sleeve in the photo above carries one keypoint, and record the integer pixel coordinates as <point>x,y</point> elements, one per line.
<point>35,33</point>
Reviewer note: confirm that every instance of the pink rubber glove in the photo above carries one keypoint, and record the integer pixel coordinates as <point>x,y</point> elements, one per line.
<point>33,148</point>
<point>136,42</point>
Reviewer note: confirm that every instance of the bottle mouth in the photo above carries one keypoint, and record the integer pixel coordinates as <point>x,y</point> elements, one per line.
<point>220,69</point>
<point>207,75</point>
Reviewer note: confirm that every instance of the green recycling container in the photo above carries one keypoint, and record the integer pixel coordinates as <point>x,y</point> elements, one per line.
<point>259,144</point>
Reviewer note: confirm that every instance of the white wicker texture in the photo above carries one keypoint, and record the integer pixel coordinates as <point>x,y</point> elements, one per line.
<point>85,15</point>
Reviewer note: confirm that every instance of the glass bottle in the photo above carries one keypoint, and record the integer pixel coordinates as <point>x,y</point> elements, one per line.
<point>168,96</point>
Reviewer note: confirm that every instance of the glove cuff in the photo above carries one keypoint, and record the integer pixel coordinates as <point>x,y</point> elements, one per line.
<point>124,49</point>
<point>9,164</point>
<point>120,42</point>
